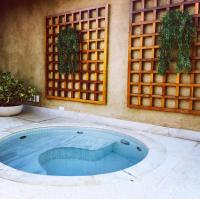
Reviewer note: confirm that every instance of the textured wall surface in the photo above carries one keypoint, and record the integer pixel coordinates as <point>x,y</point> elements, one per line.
<point>22,41</point>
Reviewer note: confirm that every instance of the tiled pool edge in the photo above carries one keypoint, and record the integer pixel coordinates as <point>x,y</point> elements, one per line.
<point>107,121</point>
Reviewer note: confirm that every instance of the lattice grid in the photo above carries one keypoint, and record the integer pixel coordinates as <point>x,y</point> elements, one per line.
<point>89,83</point>
<point>146,89</point>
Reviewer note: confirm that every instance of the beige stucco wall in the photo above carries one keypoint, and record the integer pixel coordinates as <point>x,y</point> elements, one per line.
<point>22,51</point>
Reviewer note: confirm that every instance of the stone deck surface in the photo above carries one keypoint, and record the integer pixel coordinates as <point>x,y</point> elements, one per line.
<point>178,177</point>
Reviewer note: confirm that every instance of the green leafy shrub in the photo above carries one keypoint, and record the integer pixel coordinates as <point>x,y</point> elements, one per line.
<point>176,34</point>
<point>14,92</point>
<point>68,50</point>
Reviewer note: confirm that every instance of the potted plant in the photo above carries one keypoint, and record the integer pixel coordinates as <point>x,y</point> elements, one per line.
<point>13,93</point>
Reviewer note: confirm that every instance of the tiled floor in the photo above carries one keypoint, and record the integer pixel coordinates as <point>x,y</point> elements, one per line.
<point>178,177</point>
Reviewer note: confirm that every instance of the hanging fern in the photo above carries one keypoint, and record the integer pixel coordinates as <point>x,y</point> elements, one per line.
<point>176,34</point>
<point>68,50</point>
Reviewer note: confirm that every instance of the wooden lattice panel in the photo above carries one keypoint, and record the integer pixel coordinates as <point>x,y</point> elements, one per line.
<point>89,83</point>
<point>146,89</point>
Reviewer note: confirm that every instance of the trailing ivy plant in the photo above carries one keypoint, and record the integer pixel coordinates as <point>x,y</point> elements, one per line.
<point>68,50</point>
<point>176,34</point>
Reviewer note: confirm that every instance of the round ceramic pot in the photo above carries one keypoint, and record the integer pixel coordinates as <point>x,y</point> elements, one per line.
<point>6,111</point>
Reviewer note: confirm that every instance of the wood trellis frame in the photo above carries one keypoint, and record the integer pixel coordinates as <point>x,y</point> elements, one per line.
<point>146,89</point>
<point>89,84</point>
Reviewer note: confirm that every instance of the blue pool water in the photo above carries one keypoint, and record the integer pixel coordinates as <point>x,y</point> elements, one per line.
<point>70,151</point>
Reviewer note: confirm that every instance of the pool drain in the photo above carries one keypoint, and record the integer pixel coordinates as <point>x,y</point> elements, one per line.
<point>123,141</point>
<point>22,137</point>
<point>79,132</point>
<point>138,148</point>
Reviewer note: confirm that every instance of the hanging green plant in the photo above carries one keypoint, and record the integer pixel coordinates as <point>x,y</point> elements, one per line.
<point>68,50</point>
<point>176,34</point>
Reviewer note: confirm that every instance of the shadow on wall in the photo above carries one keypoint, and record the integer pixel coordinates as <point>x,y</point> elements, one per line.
<point>13,53</point>
<point>8,5</point>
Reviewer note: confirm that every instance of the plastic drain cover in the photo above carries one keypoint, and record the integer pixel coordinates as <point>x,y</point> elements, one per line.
<point>138,148</point>
<point>22,137</point>
<point>123,141</point>
<point>79,132</point>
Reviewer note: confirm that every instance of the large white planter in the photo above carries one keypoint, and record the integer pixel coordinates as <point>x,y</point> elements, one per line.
<point>10,110</point>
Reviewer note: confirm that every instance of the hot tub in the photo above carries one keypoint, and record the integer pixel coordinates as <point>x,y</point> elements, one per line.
<point>70,151</point>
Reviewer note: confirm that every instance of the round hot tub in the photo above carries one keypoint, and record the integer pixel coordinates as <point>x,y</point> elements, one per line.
<point>70,151</point>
